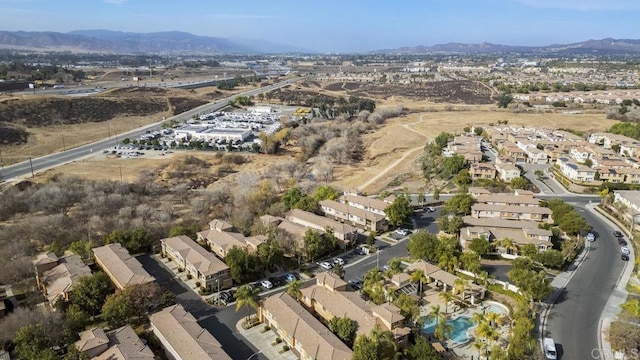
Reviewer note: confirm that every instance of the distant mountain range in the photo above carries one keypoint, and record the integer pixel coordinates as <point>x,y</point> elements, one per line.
<point>182,42</point>
<point>596,47</point>
<point>128,42</point>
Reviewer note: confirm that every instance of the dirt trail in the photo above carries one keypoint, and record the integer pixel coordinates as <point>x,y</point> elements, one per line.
<point>401,159</point>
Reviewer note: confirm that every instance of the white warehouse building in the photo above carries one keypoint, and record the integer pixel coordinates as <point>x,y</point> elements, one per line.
<point>212,133</point>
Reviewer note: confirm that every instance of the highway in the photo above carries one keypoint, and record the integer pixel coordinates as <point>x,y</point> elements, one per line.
<point>35,165</point>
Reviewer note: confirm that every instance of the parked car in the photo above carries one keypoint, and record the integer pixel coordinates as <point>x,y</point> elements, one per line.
<point>624,257</point>
<point>266,284</point>
<point>338,261</point>
<point>356,284</point>
<point>326,265</point>
<point>430,209</point>
<point>622,241</point>
<point>289,277</point>
<point>549,349</point>
<point>617,234</point>
<point>625,250</point>
<point>591,237</point>
<point>403,232</point>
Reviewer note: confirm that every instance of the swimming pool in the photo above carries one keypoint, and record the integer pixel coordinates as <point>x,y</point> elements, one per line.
<point>460,326</point>
<point>496,308</point>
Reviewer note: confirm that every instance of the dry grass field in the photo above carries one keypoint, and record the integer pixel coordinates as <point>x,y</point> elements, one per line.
<point>391,159</point>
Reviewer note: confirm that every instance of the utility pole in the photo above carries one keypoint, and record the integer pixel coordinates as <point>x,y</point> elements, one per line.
<point>64,147</point>
<point>1,161</point>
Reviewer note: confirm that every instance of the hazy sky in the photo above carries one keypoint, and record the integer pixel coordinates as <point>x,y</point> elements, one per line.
<point>341,25</point>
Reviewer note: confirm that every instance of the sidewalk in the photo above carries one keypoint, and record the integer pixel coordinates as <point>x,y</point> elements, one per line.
<point>264,342</point>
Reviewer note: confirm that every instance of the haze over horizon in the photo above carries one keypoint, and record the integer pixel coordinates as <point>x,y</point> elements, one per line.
<point>337,26</point>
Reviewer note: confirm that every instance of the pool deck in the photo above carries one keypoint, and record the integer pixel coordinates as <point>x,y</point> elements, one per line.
<point>463,350</point>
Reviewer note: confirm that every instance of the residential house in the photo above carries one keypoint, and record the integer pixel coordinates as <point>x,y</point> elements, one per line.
<point>56,276</point>
<point>541,238</point>
<point>507,171</point>
<point>345,233</point>
<point>300,330</point>
<point>631,175</point>
<point>354,216</point>
<point>612,175</point>
<point>120,344</point>
<point>183,338</point>
<point>575,171</point>
<point>519,197</point>
<point>581,154</point>
<point>630,199</point>
<point>514,152</point>
<point>467,146</point>
<point>204,266</point>
<point>328,298</point>
<point>123,269</point>
<point>482,171</point>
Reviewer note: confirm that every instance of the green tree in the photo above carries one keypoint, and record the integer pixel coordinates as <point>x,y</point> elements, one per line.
<point>386,345</point>
<point>528,250</point>
<point>550,258</point>
<point>364,348</point>
<point>325,192</point>
<point>478,131</point>
<point>74,354</point>
<point>307,203</point>
<point>117,310</point>
<point>242,265</point>
<point>443,329</point>
<point>314,245</point>
<point>399,211</point>
<point>247,297</point>
<point>480,246</point>
<point>419,277</point>
<point>75,319</point>
<point>632,308</point>
<point>344,328</point>
<point>451,225</point>
<point>189,229</point>
<point>291,197</point>
<point>504,100</point>
<point>82,248</point>
<point>436,193</point>
<point>470,262</point>
<point>423,245</point>
<point>451,166</point>
<point>462,178</point>
<point>443,139</point>
<point>133,240</point>
<point>459,204</point>
<point>520,183</point>
<point>408,308</point>
<point>338,270</point>
<point>422,350</point>
<point>33,343</point>
<point>90,292</point>
<point>270,254</point>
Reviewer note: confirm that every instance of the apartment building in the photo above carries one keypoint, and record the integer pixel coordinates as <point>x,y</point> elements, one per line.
<point>122,268</point>
<point>204,266</point>
<point>183,338</point>
<point>328,299</point>
<point>512,212</point>
<point>221,239</point>
<point>373,205</point>
<point>540,238</point>
<point>467,146</point>
<point>120,344</point>
<point>519,197</point>
<point>354,216</point>
<point>55,276</point>
<point>345,233</point>
<point>300,330</point>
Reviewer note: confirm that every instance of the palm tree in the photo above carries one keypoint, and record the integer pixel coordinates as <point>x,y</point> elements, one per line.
<point>293,289</point>
<point>448,262</point>
<point>446,296</point>
<point>443,329</point>
<point>247,297</point>
<point>478,318</point>
<point>387,347</point>
<point>483,278</point>
<point>434,313</point>
<point>419,277</point>
<point>492,318</point>
<point>459,286</point>
<point>509,246</point>
<point>478,345</point>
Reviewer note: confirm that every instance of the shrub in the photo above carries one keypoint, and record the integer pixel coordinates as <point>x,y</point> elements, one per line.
<point>278,340</point>
<point>285,348</point>
<point>189,276</point>
<point>180,269</point>
<point>266,328</point>
<point>198,284</point>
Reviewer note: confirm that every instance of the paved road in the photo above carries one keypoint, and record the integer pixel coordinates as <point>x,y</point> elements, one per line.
<point>38,164</point>
<point>573,321</point>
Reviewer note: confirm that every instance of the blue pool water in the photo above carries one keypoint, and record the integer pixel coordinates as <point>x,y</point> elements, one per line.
<point>495,309</point>
<point>460,326</point>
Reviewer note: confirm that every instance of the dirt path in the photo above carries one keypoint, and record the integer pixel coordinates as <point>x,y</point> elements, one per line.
<point>401,159</point>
